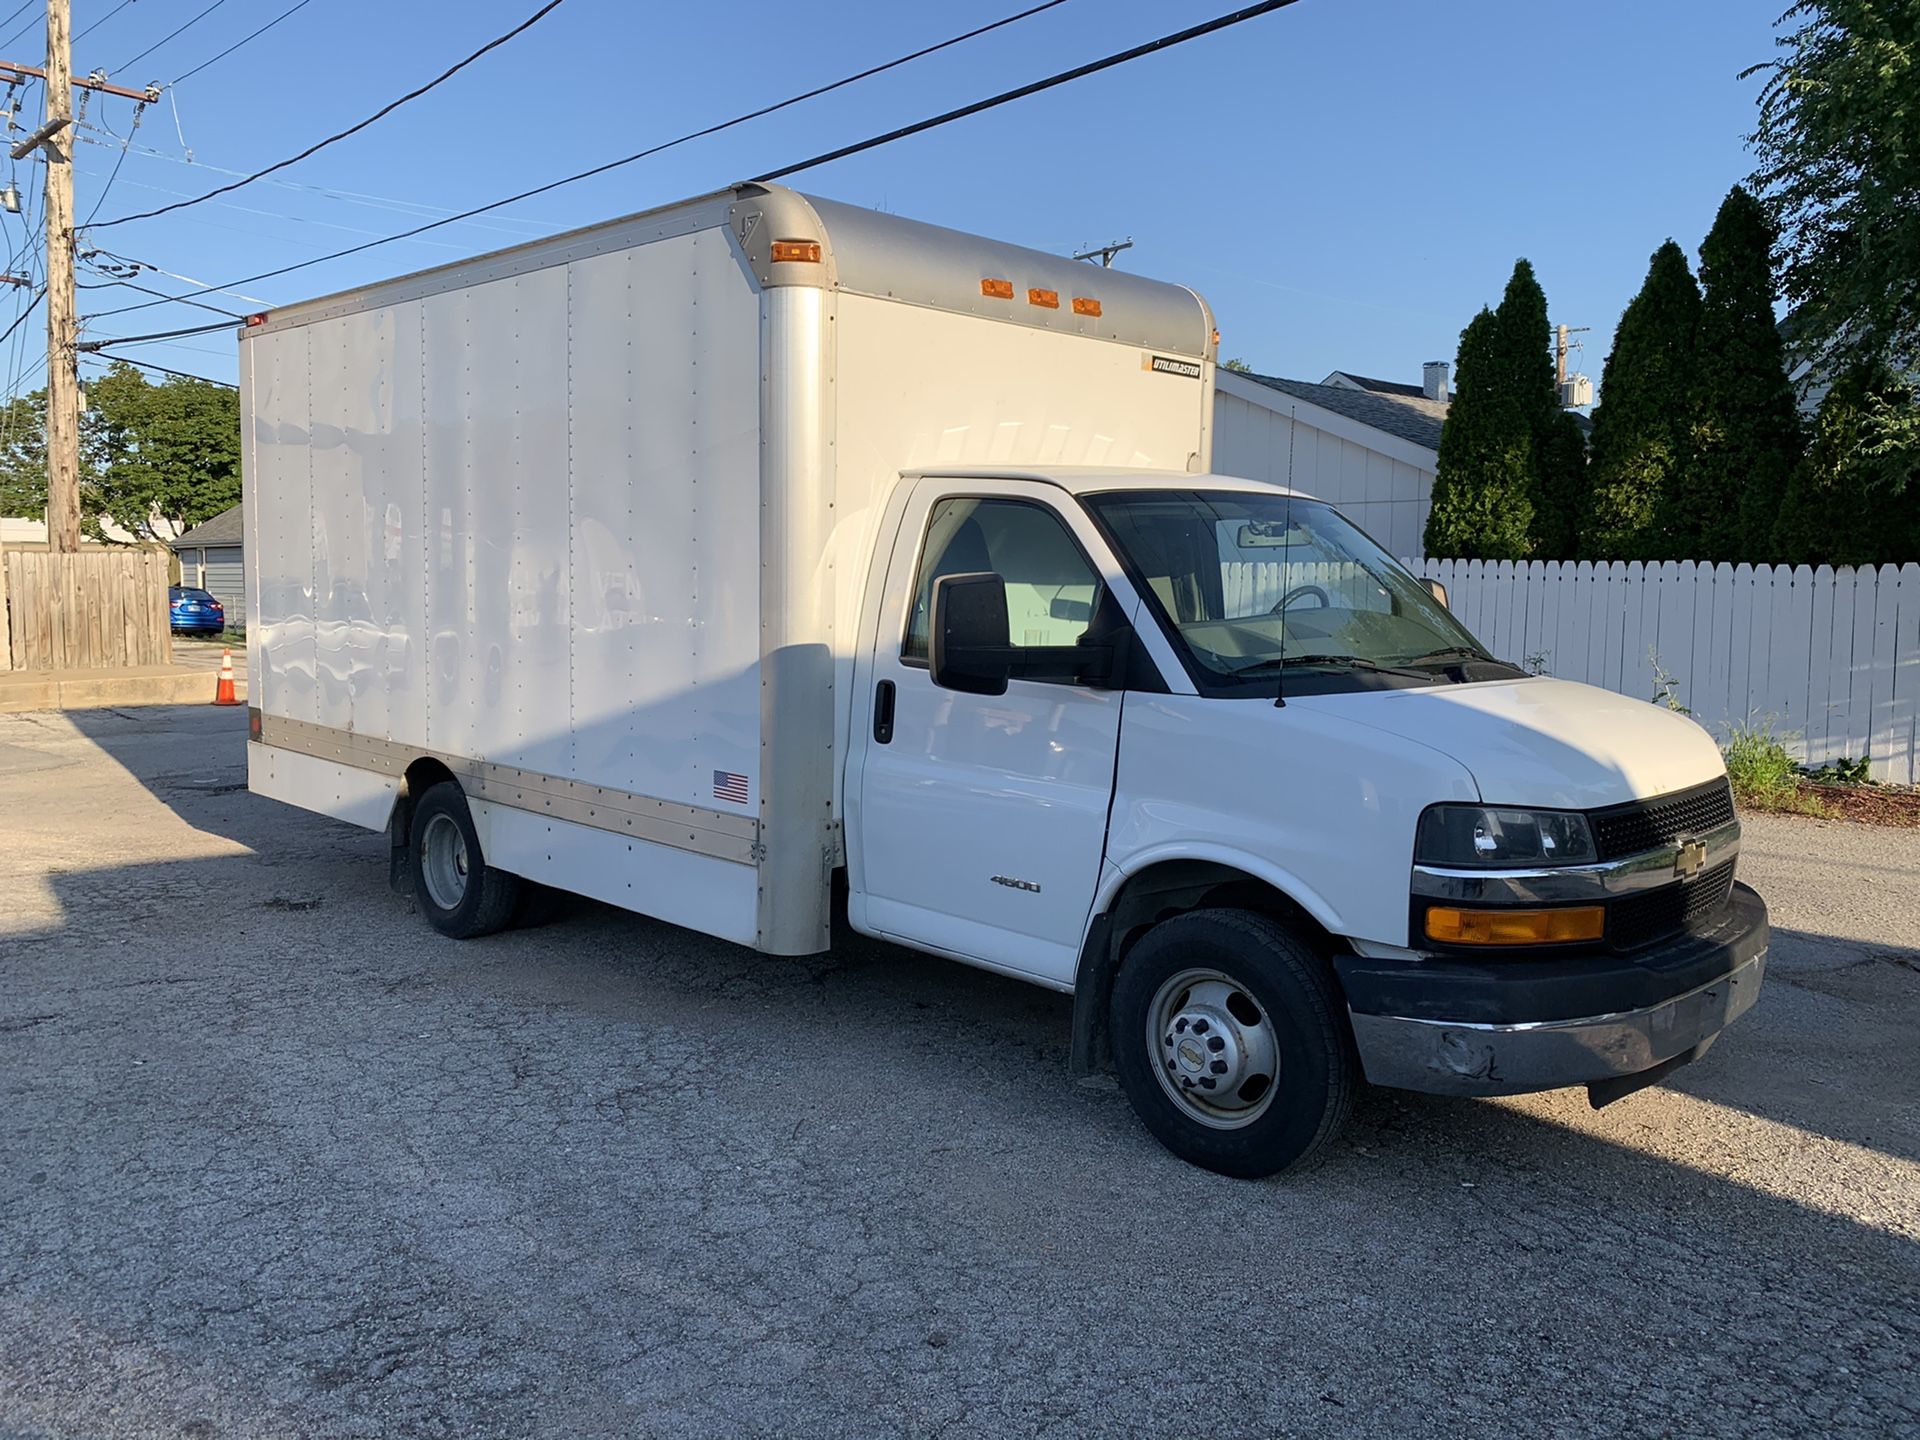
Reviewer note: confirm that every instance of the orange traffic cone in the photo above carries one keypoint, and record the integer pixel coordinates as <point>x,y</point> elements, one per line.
<point>223,695</point>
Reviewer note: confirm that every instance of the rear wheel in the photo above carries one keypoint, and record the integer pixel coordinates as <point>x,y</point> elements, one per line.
<point>459,893</point>
<point>1231,1042</point>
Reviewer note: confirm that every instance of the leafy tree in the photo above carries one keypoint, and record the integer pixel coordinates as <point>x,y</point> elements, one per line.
<point>1525,372</point>
<point>1839,508</point>
<point>1640,430</point>
<point>1237,365</point>
<point>1838,150</point>
<point>1746,436</point>
<point>154,459</point>
<point>1482,505</point>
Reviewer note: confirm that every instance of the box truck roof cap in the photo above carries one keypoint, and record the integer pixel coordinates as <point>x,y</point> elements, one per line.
<point>862,251</point>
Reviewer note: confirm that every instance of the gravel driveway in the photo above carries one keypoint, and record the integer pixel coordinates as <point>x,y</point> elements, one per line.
<point>277,1160</point>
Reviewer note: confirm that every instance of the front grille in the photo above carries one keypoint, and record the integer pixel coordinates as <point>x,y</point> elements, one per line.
<point>1649,824</point>
<point>1655,914</point>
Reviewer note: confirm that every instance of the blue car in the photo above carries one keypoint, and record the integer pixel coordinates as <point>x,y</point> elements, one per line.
<point>195,612</point>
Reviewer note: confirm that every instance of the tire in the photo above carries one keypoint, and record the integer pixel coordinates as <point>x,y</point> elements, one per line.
<point>1230,996</point>
<point>459,893</point>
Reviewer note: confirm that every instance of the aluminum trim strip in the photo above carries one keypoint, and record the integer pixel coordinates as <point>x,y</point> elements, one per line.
<point>1610,879</point>
<point>714,833</point>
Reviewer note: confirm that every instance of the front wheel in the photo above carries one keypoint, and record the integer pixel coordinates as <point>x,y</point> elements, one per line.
<point>459,893</point>
<point>1231,1043</point>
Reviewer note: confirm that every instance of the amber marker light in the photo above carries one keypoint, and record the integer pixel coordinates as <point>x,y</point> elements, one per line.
<point>997,289</point>
<point>801,250</point>
<point>1084,306</point>
<point>1045,299</point>
<point>1453,926</point>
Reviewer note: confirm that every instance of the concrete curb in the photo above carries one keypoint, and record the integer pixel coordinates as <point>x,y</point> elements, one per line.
<point>95,689</point>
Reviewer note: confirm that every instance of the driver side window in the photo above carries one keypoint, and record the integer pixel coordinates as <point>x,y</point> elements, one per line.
<point>1052,591</point>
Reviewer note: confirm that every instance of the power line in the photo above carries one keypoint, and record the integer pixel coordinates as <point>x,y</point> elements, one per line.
<point>118,161</point>
<point>21,318</point>
<point>1121,57</point>
<point>102,20</point>
<point>638,154</point>
<point>149,339</point>
<point>242,41</point>
<point>385,110</point>
<point>170,34</point>
<point>164,370</point>
<point>149,290</point>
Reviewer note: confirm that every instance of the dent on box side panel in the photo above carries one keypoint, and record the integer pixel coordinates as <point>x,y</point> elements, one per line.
<point>281,622</point>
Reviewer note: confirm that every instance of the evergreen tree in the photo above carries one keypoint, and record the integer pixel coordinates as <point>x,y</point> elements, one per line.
<point>1563,489</point>
<point>1482,508</point>
<point>1841,507</point>
<point>1640,431</point>
<point>1555,469</point>
<point>1746,436</point>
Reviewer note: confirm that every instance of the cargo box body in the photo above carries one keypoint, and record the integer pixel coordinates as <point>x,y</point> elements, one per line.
<point>587,523</point>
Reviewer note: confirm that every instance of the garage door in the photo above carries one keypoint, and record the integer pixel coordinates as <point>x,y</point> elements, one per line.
<point>227,579</point>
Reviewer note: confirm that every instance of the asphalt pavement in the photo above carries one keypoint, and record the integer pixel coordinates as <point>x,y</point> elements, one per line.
<point>277,1160</point>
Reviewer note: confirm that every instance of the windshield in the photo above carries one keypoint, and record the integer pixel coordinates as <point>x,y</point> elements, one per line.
<point>1250,584</point>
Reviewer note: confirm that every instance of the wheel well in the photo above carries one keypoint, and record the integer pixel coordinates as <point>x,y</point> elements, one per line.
<point>421,776</point>
<point>1158,893</point>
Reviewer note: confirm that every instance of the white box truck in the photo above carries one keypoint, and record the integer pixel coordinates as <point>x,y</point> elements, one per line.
<point>694,560</point>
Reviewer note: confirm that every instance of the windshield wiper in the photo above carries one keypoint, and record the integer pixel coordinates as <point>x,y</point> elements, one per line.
<point>1351,662</point>
<point>1451,652</point>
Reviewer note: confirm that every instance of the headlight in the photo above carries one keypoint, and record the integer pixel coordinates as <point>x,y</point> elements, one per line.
<point>1470,835</point>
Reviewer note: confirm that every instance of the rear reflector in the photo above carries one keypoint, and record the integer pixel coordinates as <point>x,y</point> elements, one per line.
<point>258,319</point>
<point>997,289</point>
<point>803,250</point>
<point>1084,306</point>
<point>1045,299</point>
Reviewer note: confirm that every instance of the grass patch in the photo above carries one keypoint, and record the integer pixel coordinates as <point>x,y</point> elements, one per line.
<point>1764,775</point>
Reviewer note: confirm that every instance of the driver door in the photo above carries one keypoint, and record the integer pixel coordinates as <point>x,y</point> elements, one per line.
<point>981,820</point>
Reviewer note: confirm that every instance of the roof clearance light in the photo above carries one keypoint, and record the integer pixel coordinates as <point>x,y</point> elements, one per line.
<point>802,250</point>
<point>1084,306</point>
<point>997,289</point>
<point>256,319</point>
<point>1045,299</point>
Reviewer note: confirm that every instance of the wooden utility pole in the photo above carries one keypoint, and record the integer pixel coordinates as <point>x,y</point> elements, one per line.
<point>63,360</point>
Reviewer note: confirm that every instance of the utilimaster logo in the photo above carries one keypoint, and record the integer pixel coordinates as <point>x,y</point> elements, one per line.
<point>1167,365</point>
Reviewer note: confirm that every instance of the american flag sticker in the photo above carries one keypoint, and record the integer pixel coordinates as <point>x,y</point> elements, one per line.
<point>729,786</point>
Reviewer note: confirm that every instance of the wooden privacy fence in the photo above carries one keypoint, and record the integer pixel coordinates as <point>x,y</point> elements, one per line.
<point>94,610</point>
<point>1830,659</point>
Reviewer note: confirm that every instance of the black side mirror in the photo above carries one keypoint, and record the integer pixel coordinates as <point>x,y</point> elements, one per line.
<point>1438,591</point>
<point>969,649</point>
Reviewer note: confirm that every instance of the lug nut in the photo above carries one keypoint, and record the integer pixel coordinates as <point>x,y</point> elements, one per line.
<point>1180,1026</point>
<point>1199,1027</point>
<point>1207,1082</point>
<point>1169,1040</point>
<point>1219,1067</point>
<point>1216,1042</point>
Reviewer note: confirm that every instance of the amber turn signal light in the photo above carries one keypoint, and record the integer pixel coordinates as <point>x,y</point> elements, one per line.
<point>807,250</point>
<point>1453,926</point>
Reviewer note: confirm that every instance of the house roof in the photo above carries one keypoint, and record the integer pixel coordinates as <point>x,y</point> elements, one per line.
<point>222,529</point>
<point>1378,387</point>
<point>1411,417</point>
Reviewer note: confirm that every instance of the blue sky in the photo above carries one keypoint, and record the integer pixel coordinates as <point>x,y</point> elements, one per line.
<point>1345,180</point>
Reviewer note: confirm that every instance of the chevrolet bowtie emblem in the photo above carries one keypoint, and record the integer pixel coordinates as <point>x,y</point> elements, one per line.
<point>1689,858</point>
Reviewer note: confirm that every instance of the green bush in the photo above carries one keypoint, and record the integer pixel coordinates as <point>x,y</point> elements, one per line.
<point>1764,775</point>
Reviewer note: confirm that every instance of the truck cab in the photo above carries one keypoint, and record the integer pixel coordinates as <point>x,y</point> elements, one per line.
<point>1198,751</point>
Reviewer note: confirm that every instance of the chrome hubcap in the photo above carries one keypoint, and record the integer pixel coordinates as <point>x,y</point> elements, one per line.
<point>1216,1053</point>
<point>443,862</point>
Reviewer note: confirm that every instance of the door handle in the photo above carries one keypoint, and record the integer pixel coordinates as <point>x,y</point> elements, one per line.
<point>883,713</point>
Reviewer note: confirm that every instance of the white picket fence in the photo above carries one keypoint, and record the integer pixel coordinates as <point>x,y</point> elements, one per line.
<point>1829,658</point>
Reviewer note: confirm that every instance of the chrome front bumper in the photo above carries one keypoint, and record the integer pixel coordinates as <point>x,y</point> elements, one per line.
<point>1477,1045</point>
